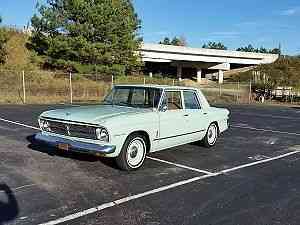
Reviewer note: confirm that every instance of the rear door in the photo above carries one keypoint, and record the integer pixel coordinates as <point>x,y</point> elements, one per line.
<point>194,116</point>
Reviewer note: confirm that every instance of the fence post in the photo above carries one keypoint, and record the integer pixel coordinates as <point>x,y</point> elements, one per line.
<point>238,92</point>
<point>144,80</point>
<point>220,90</point>
<point>112,81</point>
<point>173,82</point>
<point>250,91</point>
<point>71,89</point>
<point>24,88</point>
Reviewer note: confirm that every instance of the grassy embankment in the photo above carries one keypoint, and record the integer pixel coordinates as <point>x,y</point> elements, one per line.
<point>44,87</point>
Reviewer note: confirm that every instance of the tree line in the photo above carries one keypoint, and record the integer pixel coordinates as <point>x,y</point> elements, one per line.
<point>284,72</point>
<point>176,41</point>
<point>3,41</point>
<point>250,48</point>
<point>220,46</point>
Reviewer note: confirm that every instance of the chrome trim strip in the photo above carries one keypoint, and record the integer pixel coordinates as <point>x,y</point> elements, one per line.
<point>76,146</point>
<point>71,122</point>
<point>159,139</point>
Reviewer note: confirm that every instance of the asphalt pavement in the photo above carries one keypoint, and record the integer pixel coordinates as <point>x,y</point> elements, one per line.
<point>250,177</point>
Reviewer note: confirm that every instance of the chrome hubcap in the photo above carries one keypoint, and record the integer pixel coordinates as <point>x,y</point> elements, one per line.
<point>212,134</point>
<point>136,152</point>
<point>133,152</point>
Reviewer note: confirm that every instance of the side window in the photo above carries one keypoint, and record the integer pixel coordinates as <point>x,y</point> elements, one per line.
<point>138,97</point>
<point>191,100</point>
<point>121,96</point>
<point>173,100</point>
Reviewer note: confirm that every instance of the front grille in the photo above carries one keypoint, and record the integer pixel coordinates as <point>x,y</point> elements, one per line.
<point>73,130</point>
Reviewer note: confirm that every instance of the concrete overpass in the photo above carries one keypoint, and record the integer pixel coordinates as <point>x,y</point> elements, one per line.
<point>202,59</point>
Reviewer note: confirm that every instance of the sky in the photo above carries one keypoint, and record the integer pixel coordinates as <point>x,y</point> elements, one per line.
<point>235,23</point>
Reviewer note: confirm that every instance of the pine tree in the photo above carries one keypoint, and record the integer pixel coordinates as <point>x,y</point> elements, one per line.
<point>215,45</point>
<point>86,36</point>
<point>3,40</point>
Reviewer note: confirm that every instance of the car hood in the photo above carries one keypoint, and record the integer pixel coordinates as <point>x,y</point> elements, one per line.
<point>92,114</point>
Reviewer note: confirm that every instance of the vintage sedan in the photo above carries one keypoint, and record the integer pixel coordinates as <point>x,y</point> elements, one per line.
<point>134,120</point>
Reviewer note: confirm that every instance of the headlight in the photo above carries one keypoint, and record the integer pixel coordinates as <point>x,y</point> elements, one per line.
<point>102,134</point>
<point>45,126</point>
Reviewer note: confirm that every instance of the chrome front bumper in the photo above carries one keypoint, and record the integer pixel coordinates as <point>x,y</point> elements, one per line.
<point>76,146</point>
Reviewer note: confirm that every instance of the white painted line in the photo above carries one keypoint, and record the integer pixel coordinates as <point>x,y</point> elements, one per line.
<point>181,166</point>
<point>20,188</point>
<point>158,190</point>
<point>20,124</point>
<point>268,116</point>
<point>258,162</point>
<point>25,186</point>
<point>124,200</point>
<point>265,130</point>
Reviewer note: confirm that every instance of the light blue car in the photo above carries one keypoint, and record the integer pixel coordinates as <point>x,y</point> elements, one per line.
<point>134,120</point>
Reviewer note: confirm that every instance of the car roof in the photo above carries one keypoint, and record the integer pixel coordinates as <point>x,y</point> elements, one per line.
<point>156,86</point>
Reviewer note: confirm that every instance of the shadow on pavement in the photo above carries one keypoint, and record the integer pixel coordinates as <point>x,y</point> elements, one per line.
<point>9,208</point>
<point>34,145</point>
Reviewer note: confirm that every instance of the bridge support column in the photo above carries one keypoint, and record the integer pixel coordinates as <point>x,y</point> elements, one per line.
<point>199,75</point>
<point>179,72</point>
<point>221,76</point>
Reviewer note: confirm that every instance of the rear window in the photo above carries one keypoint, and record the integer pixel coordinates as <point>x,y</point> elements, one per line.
<point>191,100</point>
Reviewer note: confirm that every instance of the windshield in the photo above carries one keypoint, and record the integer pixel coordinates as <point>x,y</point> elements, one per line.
<point>138,97</point>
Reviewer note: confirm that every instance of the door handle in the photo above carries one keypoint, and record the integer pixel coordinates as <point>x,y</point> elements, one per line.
<point>186,115</point>
<point>205,113</point>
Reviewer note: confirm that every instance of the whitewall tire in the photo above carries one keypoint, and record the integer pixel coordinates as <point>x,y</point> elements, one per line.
<point>211,136</point>
<point>133,153</point>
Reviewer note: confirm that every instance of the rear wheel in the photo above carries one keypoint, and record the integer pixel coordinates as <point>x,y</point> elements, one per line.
<point>133,153</point>
<point>211,136</point>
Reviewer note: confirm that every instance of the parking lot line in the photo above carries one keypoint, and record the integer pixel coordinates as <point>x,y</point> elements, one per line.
<point>161,189</point>
<point>124,200</point>
<point>24,186</point>
<point>20,124</point>
<point>264,130</point>
<point>181,166</point>
<point>258,162</point>
<point>267,116</point>
<point>21,187</point>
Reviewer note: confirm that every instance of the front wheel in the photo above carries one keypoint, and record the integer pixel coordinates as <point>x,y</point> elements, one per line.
<point>133,153</point>
<point>211,136</point>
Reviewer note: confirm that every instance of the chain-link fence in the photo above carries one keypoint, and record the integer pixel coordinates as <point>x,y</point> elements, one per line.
<point>33,87</point>
<point>11,87</point>
<point>38,88</point>
<point>228,92</point>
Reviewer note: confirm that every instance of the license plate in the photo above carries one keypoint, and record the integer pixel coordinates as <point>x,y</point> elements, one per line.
<point>64,147</point>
